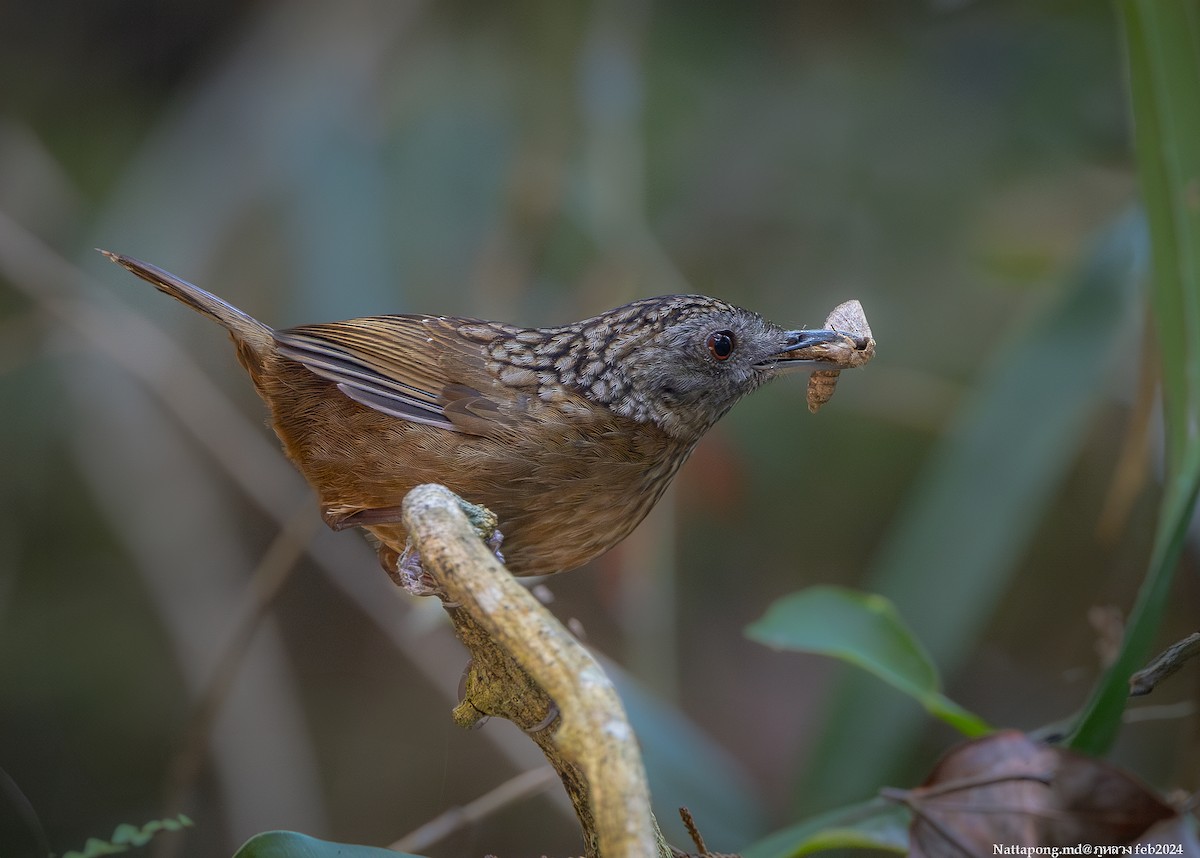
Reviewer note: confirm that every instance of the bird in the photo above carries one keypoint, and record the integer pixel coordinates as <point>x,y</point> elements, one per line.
<point>568,434</point>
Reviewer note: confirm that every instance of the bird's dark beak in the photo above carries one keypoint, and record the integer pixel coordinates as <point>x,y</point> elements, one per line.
<point>806,350</point>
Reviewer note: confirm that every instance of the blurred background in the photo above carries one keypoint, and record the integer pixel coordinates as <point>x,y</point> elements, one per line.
<point>962,168</point>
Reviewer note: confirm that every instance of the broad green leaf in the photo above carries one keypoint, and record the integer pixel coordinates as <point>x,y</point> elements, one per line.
<point>290,844</point>
<point>874,824</point>
<point>866,631</point>
<point>1163,48</point>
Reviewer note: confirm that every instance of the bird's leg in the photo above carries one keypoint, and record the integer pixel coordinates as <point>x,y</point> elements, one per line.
<point>412,576</point>
<point>405,569</point>
<point>494,542</point>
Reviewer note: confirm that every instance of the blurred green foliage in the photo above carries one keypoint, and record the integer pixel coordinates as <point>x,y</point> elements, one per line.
<point>1045,403</point>
<point>948,163</point>
<point>1163,48</point>
<point>127,836</point>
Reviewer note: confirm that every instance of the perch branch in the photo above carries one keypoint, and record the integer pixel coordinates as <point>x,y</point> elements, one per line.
<point>526,667</point>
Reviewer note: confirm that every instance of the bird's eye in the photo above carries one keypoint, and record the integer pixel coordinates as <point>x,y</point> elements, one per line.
<point>720,344</point>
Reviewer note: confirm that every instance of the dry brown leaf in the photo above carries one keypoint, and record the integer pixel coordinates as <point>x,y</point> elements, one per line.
<point>1008,790</point>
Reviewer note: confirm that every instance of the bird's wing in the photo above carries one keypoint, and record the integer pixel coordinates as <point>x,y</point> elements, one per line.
<point>415,368</point>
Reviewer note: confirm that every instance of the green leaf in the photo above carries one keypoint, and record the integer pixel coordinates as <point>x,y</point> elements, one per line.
<point>290,844</point>
<point>874,824</point>
<point>866,631</point>
<point>1163,47</point>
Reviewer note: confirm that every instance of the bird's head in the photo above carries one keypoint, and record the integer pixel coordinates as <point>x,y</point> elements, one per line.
<point>680,361</point>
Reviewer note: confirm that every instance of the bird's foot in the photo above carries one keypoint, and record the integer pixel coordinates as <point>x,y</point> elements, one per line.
<point>493,542</point>
<point>406,571</point>
<point>411,575</point>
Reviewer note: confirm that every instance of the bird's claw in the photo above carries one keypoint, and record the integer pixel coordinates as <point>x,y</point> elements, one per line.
<point>411,575</point>
<point>406,571</point>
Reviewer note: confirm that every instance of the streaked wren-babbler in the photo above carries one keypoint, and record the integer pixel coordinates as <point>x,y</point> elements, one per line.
<point>568,434</point>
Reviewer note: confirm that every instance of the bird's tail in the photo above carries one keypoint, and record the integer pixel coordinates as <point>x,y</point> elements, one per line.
<point>247,332</point>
